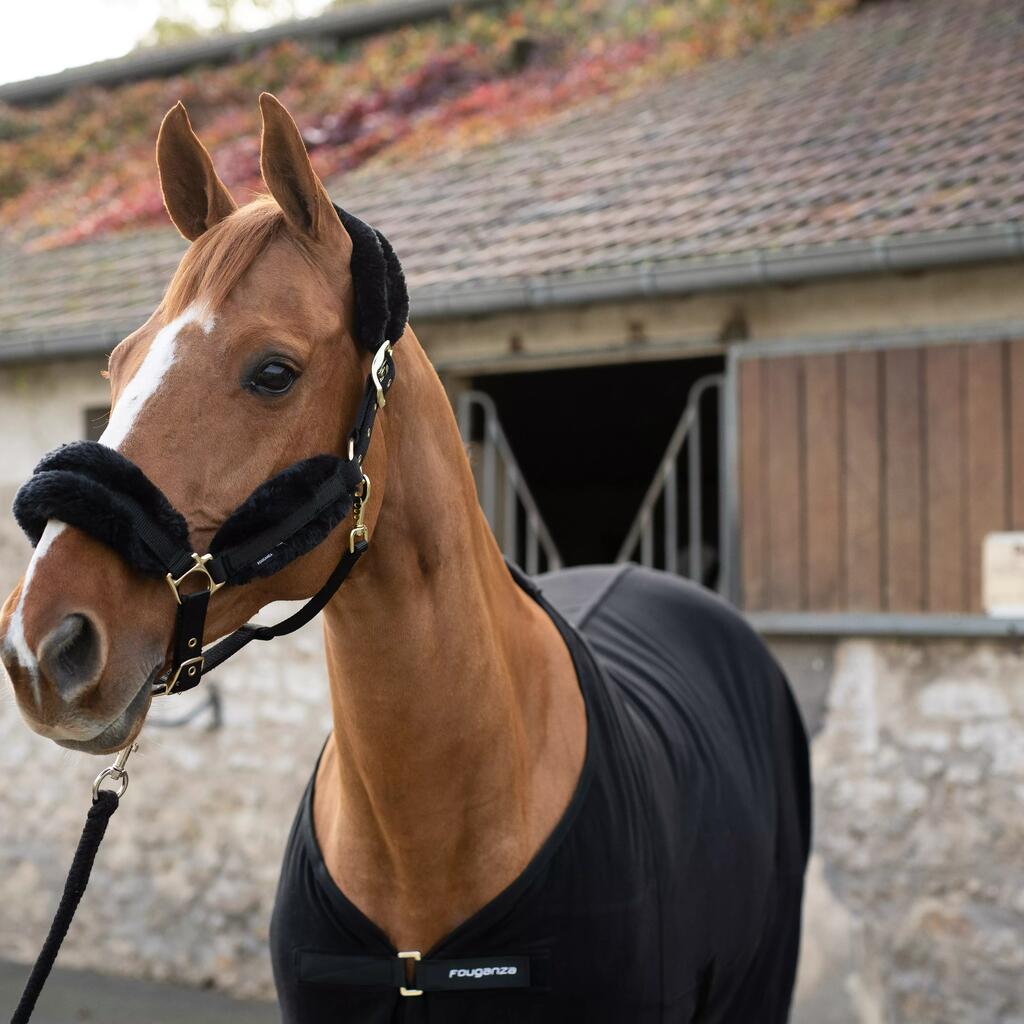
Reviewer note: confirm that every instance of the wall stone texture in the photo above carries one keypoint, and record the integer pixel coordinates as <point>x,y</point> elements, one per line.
<point>919,773</point>
<point>184,884</point>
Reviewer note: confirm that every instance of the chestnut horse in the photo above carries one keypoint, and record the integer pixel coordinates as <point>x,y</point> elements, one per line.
<point>460,732</point>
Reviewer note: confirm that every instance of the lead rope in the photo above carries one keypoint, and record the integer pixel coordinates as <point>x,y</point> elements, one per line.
<point>104,803</point>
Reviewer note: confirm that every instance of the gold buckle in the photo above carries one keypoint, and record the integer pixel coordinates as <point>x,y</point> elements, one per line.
<point>198,569</point>
<point>358,509</point>
<point>412,954</point>
<point>192,665</point>
<point>379,371</point>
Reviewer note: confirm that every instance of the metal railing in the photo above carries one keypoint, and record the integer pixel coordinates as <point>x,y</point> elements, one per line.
<point>654,537</point>
<point>506,500</point>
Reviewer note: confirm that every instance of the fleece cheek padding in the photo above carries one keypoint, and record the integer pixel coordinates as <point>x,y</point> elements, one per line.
<point>315,493</point>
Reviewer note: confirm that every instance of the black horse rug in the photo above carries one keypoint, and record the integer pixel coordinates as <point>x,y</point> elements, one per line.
<point>670,891</point>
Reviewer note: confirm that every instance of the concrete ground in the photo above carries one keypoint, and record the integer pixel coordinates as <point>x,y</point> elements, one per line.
<point>77,997</point>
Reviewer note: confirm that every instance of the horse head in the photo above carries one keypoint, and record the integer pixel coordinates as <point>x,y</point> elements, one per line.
<point>249,364</point>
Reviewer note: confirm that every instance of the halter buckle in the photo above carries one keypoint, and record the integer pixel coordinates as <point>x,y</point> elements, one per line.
<point>199,569</point>
<point>189,667</point>
<point>379,371</point>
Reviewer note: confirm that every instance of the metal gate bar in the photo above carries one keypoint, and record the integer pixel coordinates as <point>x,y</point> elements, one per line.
<point>661,497</point>
<point>509,506</point>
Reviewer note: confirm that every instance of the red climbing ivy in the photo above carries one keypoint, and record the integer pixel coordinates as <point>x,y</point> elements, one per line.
<point>83,165</point>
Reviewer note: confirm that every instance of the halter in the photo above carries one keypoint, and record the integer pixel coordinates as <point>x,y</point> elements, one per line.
<point>96,489</point>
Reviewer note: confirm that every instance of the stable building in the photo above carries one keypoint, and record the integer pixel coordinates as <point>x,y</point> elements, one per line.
<point>762,326</point>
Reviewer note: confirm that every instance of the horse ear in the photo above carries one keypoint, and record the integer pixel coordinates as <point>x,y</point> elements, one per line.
<point>193,194</point>
<point>288,173</point>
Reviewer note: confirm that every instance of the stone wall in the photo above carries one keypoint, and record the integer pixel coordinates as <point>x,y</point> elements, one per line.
<point>915,904</point>
<point>185,882</point>
<point>919,774</point>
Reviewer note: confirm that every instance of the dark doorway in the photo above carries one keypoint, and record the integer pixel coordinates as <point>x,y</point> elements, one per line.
<point>589,440</point>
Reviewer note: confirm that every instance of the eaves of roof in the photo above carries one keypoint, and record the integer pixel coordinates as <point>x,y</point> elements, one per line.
<point>904,253</point>
<point>997,243</point>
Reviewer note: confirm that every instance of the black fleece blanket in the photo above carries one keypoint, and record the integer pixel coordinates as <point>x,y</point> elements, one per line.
<point>671,889</point>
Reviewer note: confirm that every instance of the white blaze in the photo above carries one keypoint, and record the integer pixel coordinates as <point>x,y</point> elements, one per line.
<point>137,393</point>
<point>16,631</point>
<point>159,359</point>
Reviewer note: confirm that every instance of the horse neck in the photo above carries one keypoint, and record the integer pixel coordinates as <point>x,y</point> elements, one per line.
<point>458,725</point>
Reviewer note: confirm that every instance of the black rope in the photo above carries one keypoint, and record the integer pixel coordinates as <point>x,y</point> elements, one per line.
<point>74,888</point>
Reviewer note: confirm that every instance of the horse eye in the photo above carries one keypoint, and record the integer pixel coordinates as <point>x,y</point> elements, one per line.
<point>273,378</point>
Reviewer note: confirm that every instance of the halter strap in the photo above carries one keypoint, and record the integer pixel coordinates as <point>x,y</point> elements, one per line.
<point>189,662</point>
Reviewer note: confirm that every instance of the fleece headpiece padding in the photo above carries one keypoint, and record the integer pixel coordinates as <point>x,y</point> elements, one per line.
<point>381,297</point>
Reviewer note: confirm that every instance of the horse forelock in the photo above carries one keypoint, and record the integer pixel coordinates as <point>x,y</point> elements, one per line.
<point>216,261</point>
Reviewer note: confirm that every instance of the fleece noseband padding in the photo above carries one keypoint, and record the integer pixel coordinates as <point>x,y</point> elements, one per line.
<point>97,490</point>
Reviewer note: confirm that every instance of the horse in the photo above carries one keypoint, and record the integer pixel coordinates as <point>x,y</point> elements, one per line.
<point>581,797</point>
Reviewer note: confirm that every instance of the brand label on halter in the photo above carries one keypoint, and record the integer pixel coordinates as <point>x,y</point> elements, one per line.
<point>489,972</point>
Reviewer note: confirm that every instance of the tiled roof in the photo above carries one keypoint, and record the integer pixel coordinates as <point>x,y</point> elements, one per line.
<point>895,134</point>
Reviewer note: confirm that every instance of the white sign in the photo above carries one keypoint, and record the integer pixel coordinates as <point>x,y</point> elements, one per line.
<point>1002,575</point>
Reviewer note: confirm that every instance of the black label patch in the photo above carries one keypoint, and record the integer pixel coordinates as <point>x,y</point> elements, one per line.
<point>477,973</point>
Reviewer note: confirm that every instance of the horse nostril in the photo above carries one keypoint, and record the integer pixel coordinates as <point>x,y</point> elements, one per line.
<point>69,655</point>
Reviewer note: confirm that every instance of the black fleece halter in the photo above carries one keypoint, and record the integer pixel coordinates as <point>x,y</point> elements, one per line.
<point>96,489</point>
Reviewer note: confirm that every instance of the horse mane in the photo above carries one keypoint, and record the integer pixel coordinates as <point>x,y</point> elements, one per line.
<point>217,259</point>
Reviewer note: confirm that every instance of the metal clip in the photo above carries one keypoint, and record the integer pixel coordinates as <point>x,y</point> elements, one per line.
<point>199,569</point>
<point>358,510</point>
<point>379,371</point>
<point>116,772</point>
<point>412,954</point>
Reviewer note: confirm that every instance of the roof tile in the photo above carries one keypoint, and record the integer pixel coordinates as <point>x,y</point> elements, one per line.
<point>906,118</point>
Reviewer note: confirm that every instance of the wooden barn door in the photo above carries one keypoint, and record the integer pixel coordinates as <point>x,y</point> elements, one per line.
<point>868,478</point>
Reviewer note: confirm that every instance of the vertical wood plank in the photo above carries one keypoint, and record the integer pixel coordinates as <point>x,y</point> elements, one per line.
<point>862,483</point>
<point>752,485</point>
<point>1016,460</point>
<point>904,507</point>
<point>822,437</point>
<point>785,535</point>
<point>944,472</point>
<point>986,456</point>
